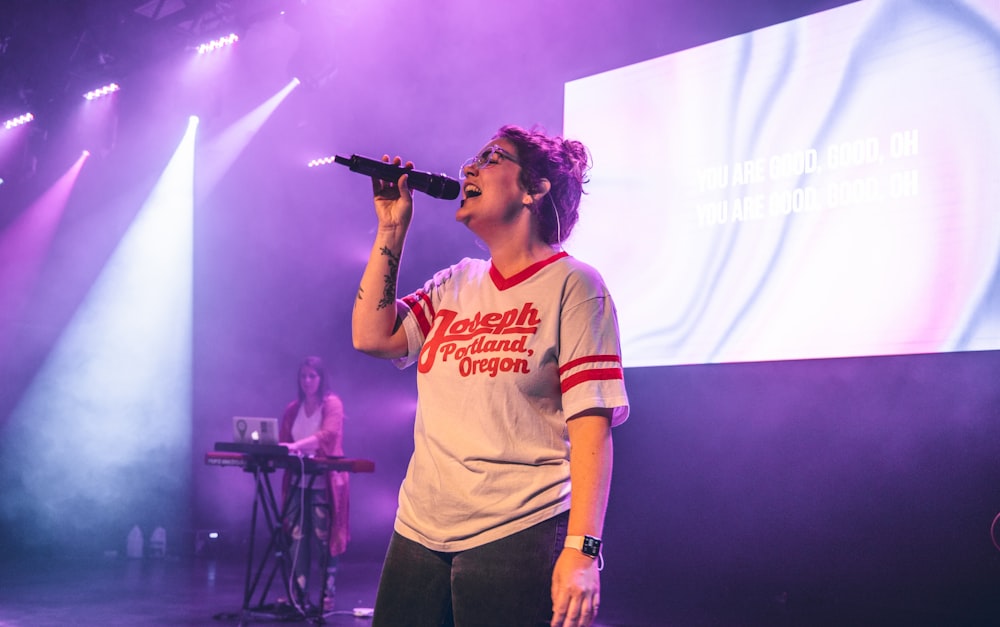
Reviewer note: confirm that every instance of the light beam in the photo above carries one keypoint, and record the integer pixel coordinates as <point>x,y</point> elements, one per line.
<point>101,438</point>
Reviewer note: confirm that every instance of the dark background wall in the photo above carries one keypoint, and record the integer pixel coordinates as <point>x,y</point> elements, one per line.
<point>871,478</point>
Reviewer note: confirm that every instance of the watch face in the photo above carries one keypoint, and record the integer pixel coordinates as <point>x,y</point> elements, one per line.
<point>591,546</point>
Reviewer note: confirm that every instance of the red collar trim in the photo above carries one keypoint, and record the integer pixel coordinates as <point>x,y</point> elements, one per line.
<point>502,284</point>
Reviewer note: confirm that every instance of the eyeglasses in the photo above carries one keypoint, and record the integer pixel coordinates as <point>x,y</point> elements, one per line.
<point>491,155</point>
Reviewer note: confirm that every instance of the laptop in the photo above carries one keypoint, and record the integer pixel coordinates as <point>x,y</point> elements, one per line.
<point>248,430</point>
<point>254,436</point>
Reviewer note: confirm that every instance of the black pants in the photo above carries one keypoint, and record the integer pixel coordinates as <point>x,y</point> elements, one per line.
<point>506,583</point>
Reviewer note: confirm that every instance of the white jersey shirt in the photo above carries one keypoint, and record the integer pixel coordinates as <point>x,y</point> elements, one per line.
<point>502,363</point>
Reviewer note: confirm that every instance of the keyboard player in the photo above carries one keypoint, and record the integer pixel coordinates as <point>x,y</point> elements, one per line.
<point>317,516</point>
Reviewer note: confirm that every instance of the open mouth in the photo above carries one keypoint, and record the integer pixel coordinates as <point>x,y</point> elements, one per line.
<point>471,191</point>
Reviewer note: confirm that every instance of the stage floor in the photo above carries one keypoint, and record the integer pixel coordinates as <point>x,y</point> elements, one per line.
<point>171,591</point>
<point>199,591</point>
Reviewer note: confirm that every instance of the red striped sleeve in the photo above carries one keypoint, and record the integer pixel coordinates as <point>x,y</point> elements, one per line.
<point>601,374</point>
<point>590,359</point>
<point>420,304</point>
<point>612,370</point>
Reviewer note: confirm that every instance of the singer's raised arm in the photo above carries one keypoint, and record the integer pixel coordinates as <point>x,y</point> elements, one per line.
<point>375,321</point>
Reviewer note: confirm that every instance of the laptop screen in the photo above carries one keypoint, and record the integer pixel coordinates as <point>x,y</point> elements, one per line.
<point>250,430</point>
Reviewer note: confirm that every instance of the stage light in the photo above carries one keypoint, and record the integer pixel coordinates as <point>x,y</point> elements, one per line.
<point>102,91</point>
<point>25,244</point>
<point>222,150</point>
<point>217,44</point>
<point>321,161</point>
<point>123,364</point>
<point>18,121</point>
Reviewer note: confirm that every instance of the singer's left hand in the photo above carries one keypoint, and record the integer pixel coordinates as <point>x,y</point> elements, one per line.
<point>393,201</point>
<point>576,590</point>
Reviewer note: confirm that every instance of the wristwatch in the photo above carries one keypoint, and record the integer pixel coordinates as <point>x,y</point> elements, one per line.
<point>588,545</point>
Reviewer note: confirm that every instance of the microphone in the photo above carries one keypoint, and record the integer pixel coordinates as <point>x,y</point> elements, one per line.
<point>436,185</point>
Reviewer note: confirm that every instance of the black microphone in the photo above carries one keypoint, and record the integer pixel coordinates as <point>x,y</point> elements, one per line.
<point>436,185</point>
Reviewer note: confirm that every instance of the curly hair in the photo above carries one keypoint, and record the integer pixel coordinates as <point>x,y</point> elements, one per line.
<point>565,163</point>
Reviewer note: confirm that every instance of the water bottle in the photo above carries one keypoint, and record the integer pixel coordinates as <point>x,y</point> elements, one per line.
<point>133,543</point>
<point>158,542</point>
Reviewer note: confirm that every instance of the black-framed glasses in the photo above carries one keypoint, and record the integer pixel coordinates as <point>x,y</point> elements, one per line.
<point>491,155</point>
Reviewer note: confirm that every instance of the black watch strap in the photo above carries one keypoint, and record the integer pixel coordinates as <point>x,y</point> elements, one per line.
<point>588,545</point>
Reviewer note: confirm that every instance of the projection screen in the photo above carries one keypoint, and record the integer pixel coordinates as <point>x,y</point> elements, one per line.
<point>824,187</point>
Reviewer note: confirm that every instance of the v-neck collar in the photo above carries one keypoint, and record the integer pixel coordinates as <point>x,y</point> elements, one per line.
<point>502,283</point>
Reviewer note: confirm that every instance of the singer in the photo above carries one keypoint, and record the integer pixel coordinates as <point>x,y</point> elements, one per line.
<point>519,379</point>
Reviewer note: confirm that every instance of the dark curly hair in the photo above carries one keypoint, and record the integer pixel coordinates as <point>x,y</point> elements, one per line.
<point>565,163</point>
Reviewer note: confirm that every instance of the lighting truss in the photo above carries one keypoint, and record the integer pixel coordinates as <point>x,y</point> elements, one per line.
<point>18,121</point>
<point>217,44</point>
<point>321,161</point>
<point>102,91</point>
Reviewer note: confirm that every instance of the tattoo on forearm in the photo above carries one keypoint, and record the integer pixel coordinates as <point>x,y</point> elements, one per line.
<point>389,293</point>
<point>361,293</point>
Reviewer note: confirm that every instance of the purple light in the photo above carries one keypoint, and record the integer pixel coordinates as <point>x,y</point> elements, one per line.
<point>18,121</point>
<point>216,44</point>
<point>102,91</point>
<point>320,161</point>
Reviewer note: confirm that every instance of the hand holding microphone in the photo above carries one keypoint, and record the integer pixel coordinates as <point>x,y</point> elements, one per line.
<point>435,185</point>
<point>393,202</point>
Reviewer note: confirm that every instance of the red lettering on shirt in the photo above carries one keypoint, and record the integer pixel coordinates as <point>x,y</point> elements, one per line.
<point>451,337</point>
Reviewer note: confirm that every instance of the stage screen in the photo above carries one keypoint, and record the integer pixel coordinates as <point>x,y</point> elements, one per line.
<point>825,187</point>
